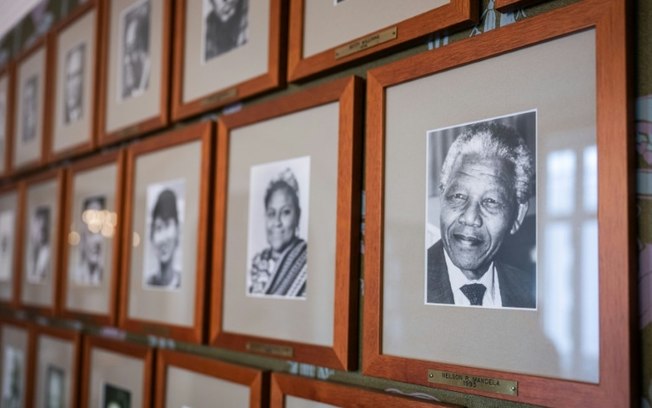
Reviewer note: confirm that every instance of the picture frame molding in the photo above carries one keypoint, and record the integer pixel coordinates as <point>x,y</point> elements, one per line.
<point>9,70</point>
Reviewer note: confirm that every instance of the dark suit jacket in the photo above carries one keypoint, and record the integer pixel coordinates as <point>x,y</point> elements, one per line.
<point>517,288</point>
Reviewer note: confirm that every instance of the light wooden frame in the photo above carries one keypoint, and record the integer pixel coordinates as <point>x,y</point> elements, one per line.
<point>75,338</point>
<point>456,14</point>
<point>145,124</point>
<point>55,77</point>
<point>272,78</point>
<point>18,239</point>
<point>256,380</point>
<point>9,71</point>
<point>342,355</point>
<point>56,245</point>
<point>29,356</point>
<point>118,158</point>
<point>134,350</point>
<point>203,132</point>
<point>340,395</point>
<point>616,281</point>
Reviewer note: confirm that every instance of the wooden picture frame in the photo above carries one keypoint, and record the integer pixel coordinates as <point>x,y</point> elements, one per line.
<point>18,335</point>
<point>42,201</point>
<point>238,311</point>
<point>81,293</point>
<point>30,113</point>
<point>7,89</point>
<point>68,355</point>
<point>73,64</point>
<point>510,5</point>
<point>352,43</point>
<point>285,386</point>
<point>602,24</point>
<point>250,384</point>
<point>128,108</point>
<point>142,293</point>
<point>247,67</point>
<point>10,199</point>
<point>130,357</point>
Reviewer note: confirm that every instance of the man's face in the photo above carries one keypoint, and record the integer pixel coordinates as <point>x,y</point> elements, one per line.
<point>132,63</point>
<point>92,242</point>
<point>224,8</point>
<point>165,238</point>
<point>478,209</point>
<point>74,79</point>
<point>29,108</point>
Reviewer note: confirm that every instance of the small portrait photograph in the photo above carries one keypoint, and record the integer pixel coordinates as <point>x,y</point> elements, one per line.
<point>277,241</point>
<point>29,110</point>
<point>7,224</point>
<point>115,397</point>
<point>13,387</point>
<point>39,251</point>
<point>3,119</point>
<point>54,387</point>
<point>134,54</point>
<point>163,253</point>
<point>225,26</point>
<point>481,213</point>
<point>74,84</point>
<point>90,268</point>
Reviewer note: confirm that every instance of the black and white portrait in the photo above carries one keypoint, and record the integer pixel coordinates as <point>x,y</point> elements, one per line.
<point>225,26</point>
<point>39,252</point>
<point>54,391</point>
<point>7,223</point>
<point>115,397</point>
<point>13,387</point>
<point>277,244</point>
<point>134,57</point>
<point>74,84</point>
<point>163,253</point>
<point>29,110</point>
<point>481,215</point>
<point>90,269</point>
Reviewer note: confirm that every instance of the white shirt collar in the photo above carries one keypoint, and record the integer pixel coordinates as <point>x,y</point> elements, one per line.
<point>457,279</point>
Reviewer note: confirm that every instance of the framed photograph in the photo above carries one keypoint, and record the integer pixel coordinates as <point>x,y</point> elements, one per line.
<point>185,380</point>
<point>287,227</point>
<point>7,86</point>
<point>73,69</point>
<point>10,215</point>
<point>30,114</point>
<point>497,235</point>
<point>16,345</point>
<point>90,257</point>
<point>57,358</point>
<point>364,28</point>
<point>116,374</point>
<point>40,243</point>
<point>225,51</point>
<point>291,391</point>
<point>166,223</point>
<point>134,93</point>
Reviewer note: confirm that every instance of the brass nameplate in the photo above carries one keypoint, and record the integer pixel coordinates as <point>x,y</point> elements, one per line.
<point>220,96</point>
<point>132,130</point>
<point>281,351</point>
<point>496,385</point>
<point>367,42</point>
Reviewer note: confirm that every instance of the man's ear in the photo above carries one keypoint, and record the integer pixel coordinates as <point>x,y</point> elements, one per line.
<point>520,216</point>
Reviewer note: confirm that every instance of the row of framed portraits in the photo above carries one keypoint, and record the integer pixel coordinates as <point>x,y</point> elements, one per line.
<point>51,367</point>
<point>491,209</point>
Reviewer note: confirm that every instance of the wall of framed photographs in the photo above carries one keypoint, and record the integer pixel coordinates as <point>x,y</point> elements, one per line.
<point>168,234</point>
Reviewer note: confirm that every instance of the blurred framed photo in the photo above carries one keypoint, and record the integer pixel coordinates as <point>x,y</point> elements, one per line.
<point>482,217</point>
<point>211,380</point>
<point>364,28</point>
<point>227,51</point>
<point>134,92</point>
<point>30,113</point>
<point>7,87</point>
<point>285,227</point>
<point>16,379</point>
<point>93,215</point>
<point>39,252</point>
<point>73,101</point>
<point>10,215</point>
<point>165,227</point>
<point>57,358</point>
<point>116,374</point>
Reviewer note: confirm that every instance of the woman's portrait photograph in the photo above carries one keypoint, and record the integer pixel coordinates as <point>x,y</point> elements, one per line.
<point>225,26</point>
<point>38,250</point>
<point>163,254</point>
<point>90,268</point>
<point>277,244</point>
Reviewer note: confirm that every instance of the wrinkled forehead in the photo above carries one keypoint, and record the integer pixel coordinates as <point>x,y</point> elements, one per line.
<point>483,169</point>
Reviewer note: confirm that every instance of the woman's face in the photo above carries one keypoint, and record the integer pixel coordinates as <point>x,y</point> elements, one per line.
<point>282,219</point>
<point>165,237</point>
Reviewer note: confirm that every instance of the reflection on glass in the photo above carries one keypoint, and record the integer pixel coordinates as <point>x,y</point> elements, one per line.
<point>591,179</point>
<point>561,182</point>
